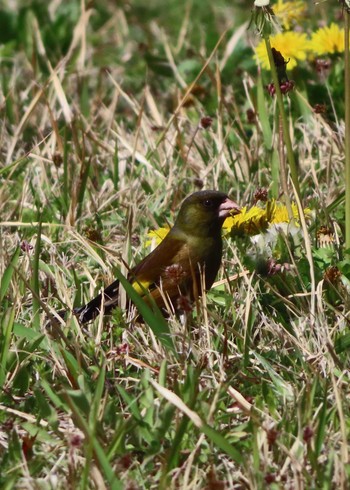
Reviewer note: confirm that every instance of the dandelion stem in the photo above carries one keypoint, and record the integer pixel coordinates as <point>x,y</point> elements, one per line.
<point>283,168</point>
<point>287,140</point>
<point>347,131</point>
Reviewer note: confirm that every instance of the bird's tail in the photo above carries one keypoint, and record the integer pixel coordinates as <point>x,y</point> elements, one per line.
<point>109,299</point>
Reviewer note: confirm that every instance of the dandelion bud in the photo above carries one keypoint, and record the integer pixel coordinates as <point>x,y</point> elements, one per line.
<point>332,274</point>
<point>184,304</point>
<point>174,273</point>
<point>308,434</point>
<point>320,108</point>
<point>260,194</point>
<point>251,116</point>
<point>26,246</point>
<point>206,122</point>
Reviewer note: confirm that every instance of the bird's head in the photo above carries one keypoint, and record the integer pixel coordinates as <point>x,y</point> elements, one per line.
<point>204,212</point>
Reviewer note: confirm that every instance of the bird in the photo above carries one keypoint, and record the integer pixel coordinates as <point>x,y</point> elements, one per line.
<point>187,258</point>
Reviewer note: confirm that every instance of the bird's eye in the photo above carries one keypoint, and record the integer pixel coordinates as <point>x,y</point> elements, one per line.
<point>208,203</point>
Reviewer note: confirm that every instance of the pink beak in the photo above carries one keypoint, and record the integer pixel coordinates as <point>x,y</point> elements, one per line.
<point>228,208</point>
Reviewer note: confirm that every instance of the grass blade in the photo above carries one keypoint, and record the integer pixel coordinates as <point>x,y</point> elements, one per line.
<point>153,318</point>
<point>8,273</point>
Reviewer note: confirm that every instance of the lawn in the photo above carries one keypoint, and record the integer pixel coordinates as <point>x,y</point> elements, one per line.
<point>111,114</point>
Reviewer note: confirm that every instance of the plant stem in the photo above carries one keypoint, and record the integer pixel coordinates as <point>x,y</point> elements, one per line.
<point>347,132</point>
<point>287,140</point>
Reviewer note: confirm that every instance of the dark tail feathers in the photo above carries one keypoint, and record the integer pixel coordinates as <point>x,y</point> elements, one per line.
<point>92,309</point>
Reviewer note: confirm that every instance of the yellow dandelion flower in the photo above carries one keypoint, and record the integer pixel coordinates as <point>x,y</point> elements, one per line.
<point>255,220</point>
<point>248,221</point>
<point>280,214</point>
<point>292,45</point>
<point>289,13</point>
<point>327,40</point>
<point>156,236</point>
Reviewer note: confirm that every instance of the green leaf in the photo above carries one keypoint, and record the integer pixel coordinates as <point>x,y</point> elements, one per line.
<point>222,443</point>
<point>81,401</point>
<point>26,332</point>
<point>5,339</point>
<point>342,343</point>
<point>95,406</point>
<point>45,410</point>
<point>131,403</point>
<point>35,279</point>
<point>51,393</point>
<point>21,380</point>
<point>282,387</point>
<point>321,429</point>
<point>8,273</point>
<point>72,364</point>
<point>264,115</point>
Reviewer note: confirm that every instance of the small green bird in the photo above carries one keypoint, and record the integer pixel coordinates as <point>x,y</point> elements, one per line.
<point>191,251</point>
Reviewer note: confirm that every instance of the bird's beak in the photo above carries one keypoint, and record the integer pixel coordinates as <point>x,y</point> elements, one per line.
<point>228,208</point>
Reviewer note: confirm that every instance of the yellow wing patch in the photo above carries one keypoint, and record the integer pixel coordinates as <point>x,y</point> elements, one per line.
<point>141,286</point>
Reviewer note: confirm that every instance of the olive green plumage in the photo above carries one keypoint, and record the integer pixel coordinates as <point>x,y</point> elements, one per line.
<point>191,250</point>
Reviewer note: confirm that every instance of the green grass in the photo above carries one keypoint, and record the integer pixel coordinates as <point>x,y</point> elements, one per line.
<point>100,142</point>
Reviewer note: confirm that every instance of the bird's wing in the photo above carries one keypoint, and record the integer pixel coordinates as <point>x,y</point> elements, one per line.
<point>171,270</point>
<point>172,250</point>
<point>144,276</point>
